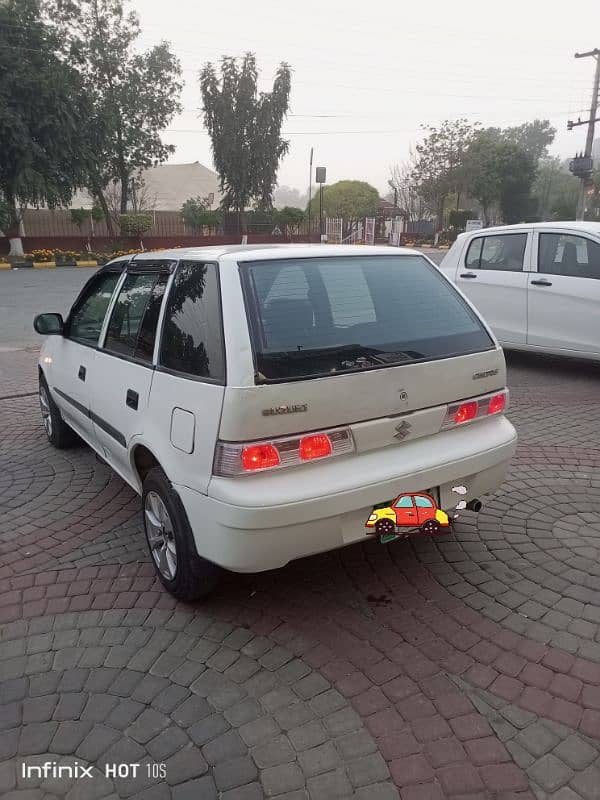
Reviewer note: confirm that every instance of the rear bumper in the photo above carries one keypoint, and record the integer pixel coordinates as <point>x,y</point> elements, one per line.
<point>263,521</point>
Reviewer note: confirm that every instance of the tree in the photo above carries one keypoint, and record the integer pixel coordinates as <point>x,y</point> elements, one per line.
<point>197,214</point>
<point>136,224</point>
<point>437,169</point>
<point>499,173</point>
<point>133,95</point>
<point>350,200</point>
<point>405,191</point>
<point>555,190</point>
<point>245,130</point>
<point>42,150</point>
<point>532,137</point>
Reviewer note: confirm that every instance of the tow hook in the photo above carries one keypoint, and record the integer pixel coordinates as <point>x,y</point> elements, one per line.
<point>474,505</point>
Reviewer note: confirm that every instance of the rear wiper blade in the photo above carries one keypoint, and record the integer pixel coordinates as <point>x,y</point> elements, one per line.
<point>356,350</point>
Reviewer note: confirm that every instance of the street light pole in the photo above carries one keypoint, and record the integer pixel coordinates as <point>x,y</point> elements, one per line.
<point>321,210</point>
<point>310,194</point>
<point>321,176</point>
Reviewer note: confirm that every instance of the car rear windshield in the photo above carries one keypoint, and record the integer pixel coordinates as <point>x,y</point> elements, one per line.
<point>317,316</point>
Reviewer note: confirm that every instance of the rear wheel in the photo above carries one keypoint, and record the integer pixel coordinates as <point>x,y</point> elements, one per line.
<point>430,527</point>
<point>58,432</point>
<point>385,527</point>
<point>184,573</point>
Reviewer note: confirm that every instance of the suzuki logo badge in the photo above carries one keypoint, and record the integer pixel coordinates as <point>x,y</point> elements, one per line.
<point>402,430</point>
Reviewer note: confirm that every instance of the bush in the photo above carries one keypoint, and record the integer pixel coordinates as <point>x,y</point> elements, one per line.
<point>197,215</point>
<point>135,224</point>
<point>65,257</point>
<point>42,256</point>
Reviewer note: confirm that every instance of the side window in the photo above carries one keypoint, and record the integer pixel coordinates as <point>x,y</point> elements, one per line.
<point>192,338</point>
<point>573,256</point>
<point>132,327</point>
<point>404,502</point>
<point>473,258</point>
<point>87,316</point>
<point>501,252</point>
<point>423,502</point>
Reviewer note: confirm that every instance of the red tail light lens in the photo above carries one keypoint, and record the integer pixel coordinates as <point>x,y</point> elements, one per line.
<point>317,446</point>
<point>497,404</point>
<point>260,456</point>
<point>466,412</point>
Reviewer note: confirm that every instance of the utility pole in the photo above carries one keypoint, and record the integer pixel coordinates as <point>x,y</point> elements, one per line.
<point>583,164</point>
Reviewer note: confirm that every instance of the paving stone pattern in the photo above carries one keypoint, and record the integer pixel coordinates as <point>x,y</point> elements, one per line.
<point>464,667</point>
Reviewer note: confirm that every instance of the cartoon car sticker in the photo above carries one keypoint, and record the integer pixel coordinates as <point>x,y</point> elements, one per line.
<point>408,511</point>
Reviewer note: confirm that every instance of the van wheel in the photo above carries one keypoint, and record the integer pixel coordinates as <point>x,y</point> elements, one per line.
<point>58,432</point>
<point>185,574</point>
<point>430,527</point>
<point>385,527</point>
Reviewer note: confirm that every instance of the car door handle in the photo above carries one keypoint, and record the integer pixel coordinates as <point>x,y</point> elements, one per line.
<point>468,275</point>
<point>541,283</point>
<point>132,399</point>
<point>82,373</point>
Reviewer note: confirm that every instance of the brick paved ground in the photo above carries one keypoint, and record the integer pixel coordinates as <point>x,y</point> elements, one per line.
<point>465,667</point>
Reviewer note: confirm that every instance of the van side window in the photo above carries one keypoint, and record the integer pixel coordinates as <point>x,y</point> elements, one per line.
<point>573,256</point>
<point>87,316</point>
<point>132,327</point>
<point>192,338</point>
<point>502,252</point>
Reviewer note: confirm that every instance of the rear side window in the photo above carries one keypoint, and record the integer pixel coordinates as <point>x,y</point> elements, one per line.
<point>355,312</point>
<point>573,256</point>
<point>192,339</point>
<point>87,316</point>
<point>502,252</point>
<point>132,327</point>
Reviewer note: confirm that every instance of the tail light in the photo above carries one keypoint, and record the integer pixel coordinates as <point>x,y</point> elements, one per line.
<point>260,456</point>
<point>233,458</point>
<point>466,412</point>
<point>475,408</point>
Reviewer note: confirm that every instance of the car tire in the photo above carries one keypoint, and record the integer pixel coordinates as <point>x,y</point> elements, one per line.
<point>385,527</point>
<point>431,527</point>
<point>185,574</point>
<point>59,434</point>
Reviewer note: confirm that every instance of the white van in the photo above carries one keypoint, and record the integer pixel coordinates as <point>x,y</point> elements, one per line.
<point>262,400</point>
<point>537,285</point>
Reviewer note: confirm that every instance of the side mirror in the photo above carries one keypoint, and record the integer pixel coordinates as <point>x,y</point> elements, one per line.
<point>48,324</point>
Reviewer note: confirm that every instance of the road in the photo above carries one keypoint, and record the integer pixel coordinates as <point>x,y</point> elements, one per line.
<point>461,666</point>
<point>27,292</point>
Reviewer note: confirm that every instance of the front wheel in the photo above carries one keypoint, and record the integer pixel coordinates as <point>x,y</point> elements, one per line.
<point>58,432</point>
<point>185,574</point>
<point>430,527</point>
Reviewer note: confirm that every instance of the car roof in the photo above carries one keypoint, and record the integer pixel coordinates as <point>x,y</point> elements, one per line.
<point>582,226</point>
<point>251,252</point>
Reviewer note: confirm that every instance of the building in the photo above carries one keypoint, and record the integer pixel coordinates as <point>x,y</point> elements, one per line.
<point>167,187</point>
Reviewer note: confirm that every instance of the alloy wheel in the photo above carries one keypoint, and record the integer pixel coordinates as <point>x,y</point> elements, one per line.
<point>45,409</point>
<point>161,536</point>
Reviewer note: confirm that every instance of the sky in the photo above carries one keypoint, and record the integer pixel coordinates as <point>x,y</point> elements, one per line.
<point>366,76</point>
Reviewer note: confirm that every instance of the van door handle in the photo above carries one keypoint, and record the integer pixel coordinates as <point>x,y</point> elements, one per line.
<point>132,399</point>
<point>541,283</point>
<point>468,275</point>
<point>81,374</point>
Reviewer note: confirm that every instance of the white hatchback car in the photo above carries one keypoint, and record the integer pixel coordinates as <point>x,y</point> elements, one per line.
<point>262,400</point>
<point>538,285</point>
